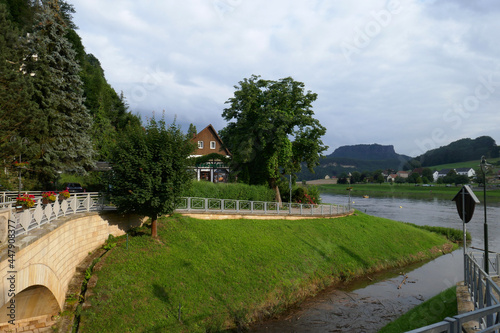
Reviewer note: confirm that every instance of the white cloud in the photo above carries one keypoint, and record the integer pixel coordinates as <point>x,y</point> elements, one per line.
<point>385,71</point>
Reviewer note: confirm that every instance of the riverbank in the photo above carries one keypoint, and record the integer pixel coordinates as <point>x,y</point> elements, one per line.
<point>212,275</point>
<point>406,190</point>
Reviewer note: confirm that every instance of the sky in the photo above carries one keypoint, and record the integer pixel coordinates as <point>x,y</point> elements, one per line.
<point>413,74</point>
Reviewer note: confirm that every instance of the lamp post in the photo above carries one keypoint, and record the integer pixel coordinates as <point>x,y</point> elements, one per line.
<point>484,166</point>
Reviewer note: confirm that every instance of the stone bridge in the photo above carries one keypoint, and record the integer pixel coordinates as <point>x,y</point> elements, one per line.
<point>36,268</point>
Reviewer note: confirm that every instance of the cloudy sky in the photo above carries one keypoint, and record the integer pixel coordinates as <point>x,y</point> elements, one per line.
<point>413,74</point>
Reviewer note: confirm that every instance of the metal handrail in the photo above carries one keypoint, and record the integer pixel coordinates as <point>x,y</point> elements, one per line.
<point>485,294</point>
<point>198,205</point>
<point>40,214</point>
<point>32,218</point>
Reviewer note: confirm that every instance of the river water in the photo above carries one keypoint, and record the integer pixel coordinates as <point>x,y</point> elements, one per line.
<point>369,304</point>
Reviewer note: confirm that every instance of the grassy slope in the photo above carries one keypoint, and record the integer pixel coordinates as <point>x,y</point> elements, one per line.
<point>226,273</point>
<point>431,311</point>
<point>469,164</point>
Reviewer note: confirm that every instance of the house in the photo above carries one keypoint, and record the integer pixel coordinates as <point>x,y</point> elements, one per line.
<point>403,174</point>
<point>392,177</point>
<point>209,144</point>
<point>443,173</point>
<point>469,172</point>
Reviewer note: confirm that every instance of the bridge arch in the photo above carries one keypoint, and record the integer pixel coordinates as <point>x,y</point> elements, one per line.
<point>46,261</point>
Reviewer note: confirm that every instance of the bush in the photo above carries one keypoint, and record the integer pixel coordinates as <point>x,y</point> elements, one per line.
<point>301,194</point>
<point>236,191</point>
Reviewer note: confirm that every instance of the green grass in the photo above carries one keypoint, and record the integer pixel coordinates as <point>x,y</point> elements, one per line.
<point>431,311</point>
<point>405,190</point>
<point>469,164</point>
<point>206,276</point>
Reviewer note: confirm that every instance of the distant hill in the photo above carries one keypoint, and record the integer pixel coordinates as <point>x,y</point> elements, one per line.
<point>368,152</point>
<point>363,157</point>
<point>462,150</point>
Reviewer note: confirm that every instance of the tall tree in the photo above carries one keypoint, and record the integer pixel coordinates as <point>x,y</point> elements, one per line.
<point>16,90</point>
<point>150,169</point>
<point>271,130</point>
<point>60,135</point>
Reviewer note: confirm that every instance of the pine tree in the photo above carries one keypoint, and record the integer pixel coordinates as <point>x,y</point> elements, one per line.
<point>60,138</point>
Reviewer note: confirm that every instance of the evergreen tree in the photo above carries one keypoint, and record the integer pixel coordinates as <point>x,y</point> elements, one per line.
<point>15,91</point>
<point>60,135</point>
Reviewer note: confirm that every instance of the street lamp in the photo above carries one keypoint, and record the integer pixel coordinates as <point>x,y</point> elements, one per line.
<point>484,165</point>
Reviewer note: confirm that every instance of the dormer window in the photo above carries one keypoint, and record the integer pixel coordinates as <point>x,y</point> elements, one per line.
<point>200,144</point>
<point>212,144</point>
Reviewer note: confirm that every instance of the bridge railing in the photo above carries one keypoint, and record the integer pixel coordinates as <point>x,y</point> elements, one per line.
<point>33,218</point>
<point>485,295</point>
<point>210,205</point>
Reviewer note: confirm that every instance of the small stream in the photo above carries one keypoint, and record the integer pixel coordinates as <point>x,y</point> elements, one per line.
<point>369,304</point>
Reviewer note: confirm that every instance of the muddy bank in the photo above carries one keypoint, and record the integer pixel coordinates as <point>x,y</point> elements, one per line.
<point>369,304</point>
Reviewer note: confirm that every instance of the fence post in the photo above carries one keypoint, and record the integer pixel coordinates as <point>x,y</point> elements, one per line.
<point>88,202</point>
<point>206,204</point>
<point>222,205</point>
<point>278,206</point>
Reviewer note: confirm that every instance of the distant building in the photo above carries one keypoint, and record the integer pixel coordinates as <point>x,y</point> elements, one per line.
<point>208,142</point>
<point>403,174</point>
<point>469,172</point>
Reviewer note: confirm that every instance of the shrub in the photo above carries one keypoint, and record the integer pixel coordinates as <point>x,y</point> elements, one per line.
<point>236,191</point>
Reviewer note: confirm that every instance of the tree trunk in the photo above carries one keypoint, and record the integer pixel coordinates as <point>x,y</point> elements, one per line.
<point>274,185</point>
<point>153,229</point>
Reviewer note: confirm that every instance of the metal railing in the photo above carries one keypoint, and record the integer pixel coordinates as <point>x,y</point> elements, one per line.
<point>33,218</point>
<point>485,294</point>
<point>209,205</point>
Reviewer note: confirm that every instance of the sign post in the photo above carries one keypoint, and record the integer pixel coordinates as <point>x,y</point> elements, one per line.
<point>466,201</point>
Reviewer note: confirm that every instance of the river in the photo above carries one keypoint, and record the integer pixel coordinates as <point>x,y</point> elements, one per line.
<point>369,304</point>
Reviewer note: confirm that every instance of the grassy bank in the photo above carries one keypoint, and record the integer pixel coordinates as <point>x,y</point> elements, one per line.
<point>431,311</point>
<point>210,275</point>
<point>405,190</point>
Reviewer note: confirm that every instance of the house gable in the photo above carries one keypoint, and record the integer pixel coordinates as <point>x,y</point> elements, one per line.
<point>208,142</point>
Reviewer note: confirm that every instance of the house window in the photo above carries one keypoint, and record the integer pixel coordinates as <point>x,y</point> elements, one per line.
<point>212,144</point>
<point>200,144</point>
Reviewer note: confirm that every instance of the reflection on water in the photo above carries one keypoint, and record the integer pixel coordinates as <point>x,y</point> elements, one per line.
<point>368,305</point>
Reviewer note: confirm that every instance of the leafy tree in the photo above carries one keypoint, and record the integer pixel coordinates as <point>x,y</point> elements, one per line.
<point>400,180</point>
<point>355,177</point>
<point>150,169</point>
<point>414,178</point>
<point>59,137</point>
<point>378,177</point>
<point>450,177</point>
<point>271,130</point>
<point>427,173</point>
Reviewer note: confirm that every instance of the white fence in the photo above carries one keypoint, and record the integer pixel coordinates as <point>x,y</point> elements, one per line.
<point>40,214</point>
<point>33,218</point>
<point>207,205</point>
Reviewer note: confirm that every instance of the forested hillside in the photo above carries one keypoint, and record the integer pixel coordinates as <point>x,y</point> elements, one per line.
<point>57,111</point>
<point>460,151</point>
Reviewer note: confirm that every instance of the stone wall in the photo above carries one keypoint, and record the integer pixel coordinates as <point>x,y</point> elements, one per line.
<point>45,261</point>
